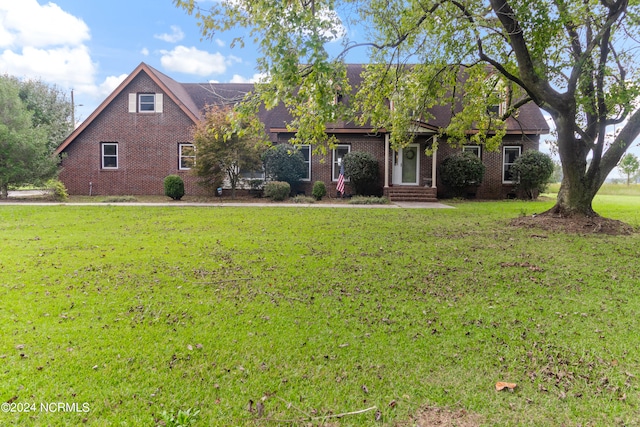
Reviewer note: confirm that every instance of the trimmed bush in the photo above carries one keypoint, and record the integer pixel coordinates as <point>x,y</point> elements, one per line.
<point>319,190</point>
<point>58,190</point>
<point>460,171</point>
<point>533,170</point>
<point>362,169</point>
<point>277,190</point>
<point>284,163</point>
<point>174,187</point>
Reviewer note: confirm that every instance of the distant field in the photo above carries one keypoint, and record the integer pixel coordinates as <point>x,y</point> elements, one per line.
<point>125,312</point>
<point>608,189</point>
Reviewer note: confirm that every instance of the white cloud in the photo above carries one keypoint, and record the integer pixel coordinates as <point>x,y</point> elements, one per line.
<point>109,85</point>
<point>176,35</point>
<point>221,42</point>
<point>45,42</point>
<point>64,66</point>
<point>27,23</point>
<point>144,51</point>
<point>259,77</point>
<point>190,60</point>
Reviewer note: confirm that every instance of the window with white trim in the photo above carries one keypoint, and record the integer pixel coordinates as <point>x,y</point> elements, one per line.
<point>109,155</point>
<point>473,149</point>
<point>509,156</point>
<point>145,103</point>
<point>187,154</point>
<point>338,154</point>
<point>306,153</point>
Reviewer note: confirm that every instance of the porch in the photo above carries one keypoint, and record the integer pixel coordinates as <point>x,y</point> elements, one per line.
<point>409,174</point>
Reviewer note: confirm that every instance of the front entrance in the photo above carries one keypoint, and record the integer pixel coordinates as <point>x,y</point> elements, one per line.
<point>406,165</point>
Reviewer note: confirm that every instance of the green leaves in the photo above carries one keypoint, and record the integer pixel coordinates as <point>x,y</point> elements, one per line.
<point>227,143</point>
<point>25,156</point>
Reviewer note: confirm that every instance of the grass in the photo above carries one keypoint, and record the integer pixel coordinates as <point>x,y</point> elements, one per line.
<point>140,311</point>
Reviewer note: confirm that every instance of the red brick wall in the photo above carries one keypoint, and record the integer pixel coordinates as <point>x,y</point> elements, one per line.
<point>492,186</point>
<point>148,152</point>
<point>321,165</point>
<point>147,148</point>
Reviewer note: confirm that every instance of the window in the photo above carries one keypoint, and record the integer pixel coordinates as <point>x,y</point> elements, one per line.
<point>109,155</point>
<point>252,174</point>
<point>338,153</point>
<point>473,149</point>
<point>306,153</point>
<point>509,156</point>
<point>145,102</point>
<point>187,156</point>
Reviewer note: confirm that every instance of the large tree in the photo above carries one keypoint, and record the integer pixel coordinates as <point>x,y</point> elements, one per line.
<point>51,110</point>
<point>25,156</point>
<point>574,59</point>
<point>226,145</point>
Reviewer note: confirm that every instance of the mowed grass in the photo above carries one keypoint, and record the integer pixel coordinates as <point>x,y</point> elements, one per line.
<point>314,312</point>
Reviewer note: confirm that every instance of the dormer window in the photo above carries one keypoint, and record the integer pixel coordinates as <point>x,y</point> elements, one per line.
<point>497,109</point>
<point>145,102</point>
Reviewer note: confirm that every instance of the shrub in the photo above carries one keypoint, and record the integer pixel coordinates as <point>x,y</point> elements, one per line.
<point>303,199</point>
<point>284,163</point>
<point>319,190</point>
<point>277,190</point>
<point>58,190</point>
<point>174,187</point>
<point>369,200</point>
<point>533,170</point>
<point>362,169</point>
<point>461,171</point>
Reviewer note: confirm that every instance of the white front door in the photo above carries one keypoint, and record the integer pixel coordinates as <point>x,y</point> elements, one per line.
<point>406,165</point>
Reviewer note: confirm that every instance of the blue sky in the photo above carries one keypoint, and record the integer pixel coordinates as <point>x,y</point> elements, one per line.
<point>90,46</point>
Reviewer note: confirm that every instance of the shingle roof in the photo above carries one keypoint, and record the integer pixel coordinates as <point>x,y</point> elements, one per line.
<point>193,97</point>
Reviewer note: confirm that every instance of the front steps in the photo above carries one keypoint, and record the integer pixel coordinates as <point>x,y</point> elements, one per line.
<point>411,194</point>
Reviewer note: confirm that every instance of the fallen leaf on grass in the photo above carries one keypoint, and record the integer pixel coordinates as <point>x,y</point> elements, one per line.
<point>502,385</point>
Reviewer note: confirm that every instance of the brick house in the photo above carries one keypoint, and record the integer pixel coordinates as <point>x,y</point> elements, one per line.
<point>142,132</point>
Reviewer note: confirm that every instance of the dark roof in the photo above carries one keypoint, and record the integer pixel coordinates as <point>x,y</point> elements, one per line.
<point>193,97</point>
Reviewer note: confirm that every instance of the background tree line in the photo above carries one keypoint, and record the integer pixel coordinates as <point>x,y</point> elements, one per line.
<point>34,119</point>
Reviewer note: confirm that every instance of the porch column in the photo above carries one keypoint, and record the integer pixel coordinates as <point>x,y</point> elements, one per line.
<point>386,160</point>
<point>434,161</point>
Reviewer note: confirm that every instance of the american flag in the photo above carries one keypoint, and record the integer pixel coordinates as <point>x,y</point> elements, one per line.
<point>340,184</point>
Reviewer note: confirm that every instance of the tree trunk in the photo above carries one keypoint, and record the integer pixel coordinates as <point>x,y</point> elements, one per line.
<point>579,183</point>
<point>4,191</point>
<point>574,199</point>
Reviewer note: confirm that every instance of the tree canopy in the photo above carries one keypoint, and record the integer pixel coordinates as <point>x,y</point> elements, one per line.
<point>51,110</point>
<point>226,145</point>
<point>575,60</point>
<point>25,152</point>
<point>629,165</point>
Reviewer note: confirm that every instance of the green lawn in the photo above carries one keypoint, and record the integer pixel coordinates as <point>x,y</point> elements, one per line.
<point>124,312</point>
